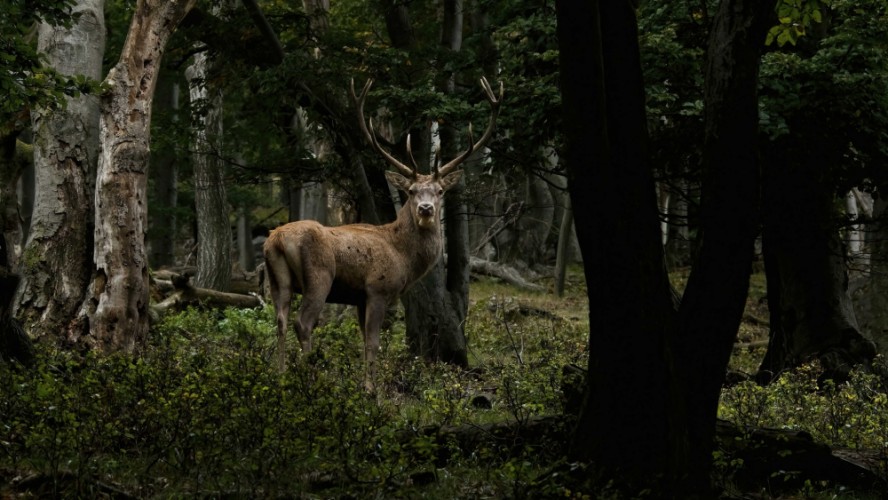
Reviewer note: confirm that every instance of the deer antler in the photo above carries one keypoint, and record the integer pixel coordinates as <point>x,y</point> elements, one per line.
<point>491,124</point>
<point>370,134</point>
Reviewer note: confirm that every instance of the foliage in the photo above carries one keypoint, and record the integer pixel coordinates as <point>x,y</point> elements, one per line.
<point>202,412</point>
<point>852,414</point>
<point>825,103</point>
<point>794,17</point>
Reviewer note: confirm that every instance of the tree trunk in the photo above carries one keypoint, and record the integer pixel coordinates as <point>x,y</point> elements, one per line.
<point>811,313</point>
<point>117,308</point>
<point>57,256</point>
<point>438,306</point>
<point>245,253</point>
<point>211,205</point>
<point>562,254</point>
<point>165,172</point>
<point>714,299</point>
<point>15,157</point>
<point>622,423</point>
<point>535,224</point>
<point>678,241</point>
<point>873,304</point>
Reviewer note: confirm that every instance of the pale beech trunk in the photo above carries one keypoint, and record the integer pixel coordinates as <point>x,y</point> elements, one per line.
<point>57,255</point>
<point>211,205</point>
<point>117,307</point>
<point>873,306</point>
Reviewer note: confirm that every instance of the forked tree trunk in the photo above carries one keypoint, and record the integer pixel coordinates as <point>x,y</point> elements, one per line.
<point>117,306</point>
<point>58,252</point>
<point>715,296</point>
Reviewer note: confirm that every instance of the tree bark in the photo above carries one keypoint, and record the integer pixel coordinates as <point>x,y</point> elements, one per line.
<point>57,255</point>
<point>117,307</point>
<point>563,252</point>
<point>714,299</point>
<point>165,172</point>
<point>622,423</point>
<point>211,205</point>
<point>812,315</point>
<point>873,304</point>
<point>436,308</point>
<point>15,157</point>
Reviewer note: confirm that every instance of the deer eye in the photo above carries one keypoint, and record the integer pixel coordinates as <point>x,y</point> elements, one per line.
<point>411,191</point>
<point>440,191</point>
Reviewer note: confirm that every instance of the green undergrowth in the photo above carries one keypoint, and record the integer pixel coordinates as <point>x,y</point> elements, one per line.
<point>201,411</point>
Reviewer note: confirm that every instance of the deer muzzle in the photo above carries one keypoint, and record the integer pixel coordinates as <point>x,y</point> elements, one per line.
<point>425,210</point>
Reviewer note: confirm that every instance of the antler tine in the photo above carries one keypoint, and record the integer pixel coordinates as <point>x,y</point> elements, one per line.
<point>370,134</point>
<point>405,170</point>
<point>488,133</point>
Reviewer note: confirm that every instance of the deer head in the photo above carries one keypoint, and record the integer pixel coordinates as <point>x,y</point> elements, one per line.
<point>425,192</point>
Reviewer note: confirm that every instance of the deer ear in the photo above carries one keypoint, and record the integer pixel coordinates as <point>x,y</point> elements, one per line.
<point>398,180</point>
<point>450,179</point>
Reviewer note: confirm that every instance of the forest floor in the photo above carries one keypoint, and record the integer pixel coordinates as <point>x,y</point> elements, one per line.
<point>202,413</point>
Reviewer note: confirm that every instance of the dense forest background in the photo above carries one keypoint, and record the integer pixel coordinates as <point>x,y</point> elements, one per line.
<point>669,150</point>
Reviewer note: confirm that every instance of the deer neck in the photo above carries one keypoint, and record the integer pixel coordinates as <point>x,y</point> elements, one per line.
<point>421,246</point>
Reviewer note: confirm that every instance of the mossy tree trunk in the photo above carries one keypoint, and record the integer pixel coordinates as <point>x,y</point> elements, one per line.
<point>58,253</point>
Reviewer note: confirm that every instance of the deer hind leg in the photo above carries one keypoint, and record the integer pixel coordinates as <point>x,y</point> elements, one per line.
<point>280,280</point>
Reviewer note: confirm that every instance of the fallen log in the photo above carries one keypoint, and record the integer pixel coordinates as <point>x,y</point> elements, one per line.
<point>506,273</point>
<point>185,294</point>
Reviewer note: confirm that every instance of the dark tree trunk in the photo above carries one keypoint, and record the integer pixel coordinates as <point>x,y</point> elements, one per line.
<point>165,173</point>
<point>810,306</point>
<point>622,424</point>
<point>714,299</point>
<point>14,158</point>
<point>436,308</point>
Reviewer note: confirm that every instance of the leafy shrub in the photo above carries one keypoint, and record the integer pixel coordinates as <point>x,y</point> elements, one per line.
<point>202,411</point>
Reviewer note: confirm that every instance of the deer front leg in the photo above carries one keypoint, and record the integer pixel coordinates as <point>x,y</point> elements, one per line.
<point>373,315</point>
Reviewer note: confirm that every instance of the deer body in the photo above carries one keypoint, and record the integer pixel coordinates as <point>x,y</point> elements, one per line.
<point>363,265</point>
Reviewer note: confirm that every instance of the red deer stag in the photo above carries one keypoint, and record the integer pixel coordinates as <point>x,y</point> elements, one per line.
<point>361,264</point>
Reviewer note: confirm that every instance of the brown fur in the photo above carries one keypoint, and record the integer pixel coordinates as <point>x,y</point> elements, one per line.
<point>359,264</point>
